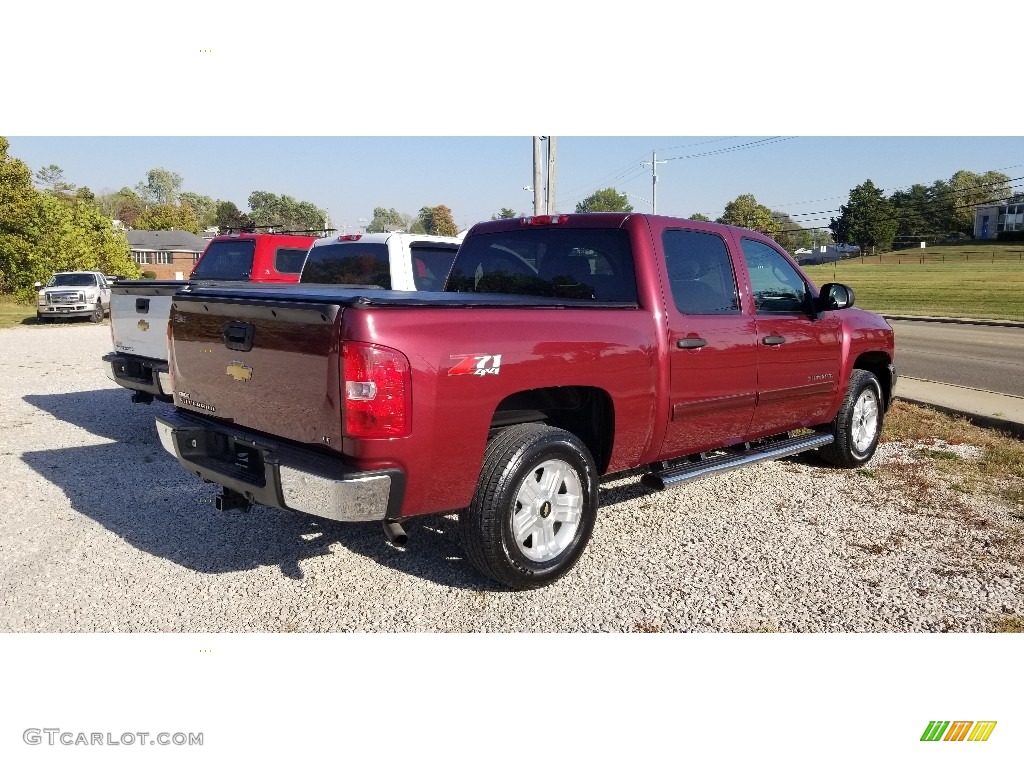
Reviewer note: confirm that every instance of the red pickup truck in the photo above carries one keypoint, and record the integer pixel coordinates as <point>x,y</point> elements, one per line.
<point>563,349</point>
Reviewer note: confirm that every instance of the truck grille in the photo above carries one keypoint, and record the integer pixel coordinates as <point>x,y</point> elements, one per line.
<point>66,297</point>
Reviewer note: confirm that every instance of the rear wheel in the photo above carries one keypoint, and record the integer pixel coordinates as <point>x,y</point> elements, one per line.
<point>534,508</point>
<point>858,425</point>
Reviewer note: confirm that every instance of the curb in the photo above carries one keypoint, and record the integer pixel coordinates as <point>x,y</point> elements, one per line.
<point>957,320</point>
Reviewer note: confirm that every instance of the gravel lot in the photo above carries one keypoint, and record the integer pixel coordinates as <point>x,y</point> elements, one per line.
<point>103,532</point>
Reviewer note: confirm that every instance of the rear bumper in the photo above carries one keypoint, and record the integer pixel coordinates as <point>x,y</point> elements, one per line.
<point>279,474</point>
<point>143,374</point>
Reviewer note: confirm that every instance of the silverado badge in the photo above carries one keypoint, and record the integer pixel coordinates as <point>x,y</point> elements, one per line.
<point>239,371</point>
<point>143,325</point>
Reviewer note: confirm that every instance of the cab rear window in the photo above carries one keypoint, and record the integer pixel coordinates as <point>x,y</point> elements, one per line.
<point>226,260</point>
<point>571,263</point>
<point>431,263</point>
<point>348,263</point>
<point>288,261</point>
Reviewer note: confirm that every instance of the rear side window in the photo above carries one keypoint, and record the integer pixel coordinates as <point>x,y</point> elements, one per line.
<point>348,263</point>
<point>571,263</point>
<point>431,265</point>
<point>226,260</point>
<point>777,286</point>
<point>700,273</point>
<point>289,260</point>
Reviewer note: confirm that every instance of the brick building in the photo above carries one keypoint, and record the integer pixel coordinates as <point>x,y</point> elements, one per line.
<point>170,254</point>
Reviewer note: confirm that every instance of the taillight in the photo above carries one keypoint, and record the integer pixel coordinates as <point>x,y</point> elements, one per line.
<point>345,238</point>
<point>170,356</point>
<point>558,218</point>
<point>378,391</point>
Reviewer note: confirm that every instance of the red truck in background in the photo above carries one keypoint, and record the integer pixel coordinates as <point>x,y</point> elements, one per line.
<point>563,349</point>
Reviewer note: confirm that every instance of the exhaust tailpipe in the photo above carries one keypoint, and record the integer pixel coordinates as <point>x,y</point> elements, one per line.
<point>396,533</point>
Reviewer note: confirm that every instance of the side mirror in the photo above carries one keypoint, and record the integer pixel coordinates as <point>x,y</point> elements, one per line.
<point>835,296</point>
<point>37,285</point>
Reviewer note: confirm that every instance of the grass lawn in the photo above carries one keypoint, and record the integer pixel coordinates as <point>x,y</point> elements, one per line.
<point>13,313</point>
<point>948,281</point>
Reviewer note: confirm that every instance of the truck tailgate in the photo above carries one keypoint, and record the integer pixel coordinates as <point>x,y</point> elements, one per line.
<point>138,316</point>
<point>268,364</point>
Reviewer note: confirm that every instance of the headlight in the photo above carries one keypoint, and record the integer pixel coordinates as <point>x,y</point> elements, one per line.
<point>42,298</point>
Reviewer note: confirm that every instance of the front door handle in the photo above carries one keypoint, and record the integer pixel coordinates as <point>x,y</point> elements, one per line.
<point>691,343</point>
<point>771,341</point>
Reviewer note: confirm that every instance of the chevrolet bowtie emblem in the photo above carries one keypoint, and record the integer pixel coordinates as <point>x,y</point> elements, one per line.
<point>239,371</point>
<point>143,325</point>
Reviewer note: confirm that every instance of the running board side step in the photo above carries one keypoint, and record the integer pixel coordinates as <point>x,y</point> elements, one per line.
<point>659,481</point>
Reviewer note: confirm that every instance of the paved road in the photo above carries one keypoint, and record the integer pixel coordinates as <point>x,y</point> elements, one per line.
<point>977,356</point>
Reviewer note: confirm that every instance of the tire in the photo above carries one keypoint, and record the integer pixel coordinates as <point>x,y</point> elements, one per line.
<point>534,507</point>
<point>97,313</point>
<point>858,425</point>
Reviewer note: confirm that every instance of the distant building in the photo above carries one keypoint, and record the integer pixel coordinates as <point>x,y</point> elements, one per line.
<point>993,218</point>
<point>170,254</point>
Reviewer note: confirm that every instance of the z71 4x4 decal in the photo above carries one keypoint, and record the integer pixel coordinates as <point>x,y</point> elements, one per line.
<point>477,365</point>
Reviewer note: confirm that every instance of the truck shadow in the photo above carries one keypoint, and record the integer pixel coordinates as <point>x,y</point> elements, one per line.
<point>133,488</point>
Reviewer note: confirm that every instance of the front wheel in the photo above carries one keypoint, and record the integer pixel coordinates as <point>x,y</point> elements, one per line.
<point>97,313</point>
<point>858,425</point>
<point>534,508</point>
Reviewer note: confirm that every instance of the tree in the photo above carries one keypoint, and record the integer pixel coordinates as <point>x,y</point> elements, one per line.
<point>504,213</point>
<point>917,216</point>
<point>168,216</point>
<point>955,199</point>
<point>161,186</point>
<point>746,212</point>
<point>51,178</point>
<point>41,233</point>
<point>791,235</point>
<point>868,219</point>
<point>227,216</point>
<point>604,200</point>
<point>204,207</point>
<point>285,213</point>
<point>698,217</point>
<point>438,221</point>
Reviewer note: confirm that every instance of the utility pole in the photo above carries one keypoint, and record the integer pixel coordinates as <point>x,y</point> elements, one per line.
<point>537,185</point>
<point>654,163</point>
<point>551,174</point>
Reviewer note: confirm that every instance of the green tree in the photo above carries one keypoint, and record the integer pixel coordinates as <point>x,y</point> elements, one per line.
<point>698,217</point>
<point>867,220</point>
<point>438,221</point>
<point>51,179</point>
<point>954,200</point>
<point>917,216</point>
<point>746,212</point>
<point>386,220</point>
<point>204,207</point>
<point>504,213</point>
<point>285,213</point>
<point>791,235</point>
<point>604,200</point>
<point>229,217</point>
<point>160,187</point>
<point>167,216</point>
<point>41,233</point>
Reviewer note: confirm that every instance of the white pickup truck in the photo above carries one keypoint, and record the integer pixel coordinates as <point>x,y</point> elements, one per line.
<point>140,309</point>
<point>73,294</point>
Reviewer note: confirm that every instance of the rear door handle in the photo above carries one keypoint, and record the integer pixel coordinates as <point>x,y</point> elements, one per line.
<point>691,343</point>
<point>771,341</point>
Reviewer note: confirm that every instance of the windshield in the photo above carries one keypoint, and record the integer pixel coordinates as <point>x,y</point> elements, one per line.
<point>71,280</point>
<point>348,263</point>
<point>226,260</point>
<point>571,263</point>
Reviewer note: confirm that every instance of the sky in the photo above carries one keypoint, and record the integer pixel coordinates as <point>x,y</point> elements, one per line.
<point>808,177</point>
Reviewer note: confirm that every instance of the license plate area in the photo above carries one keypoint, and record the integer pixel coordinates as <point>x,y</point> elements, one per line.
<point>228,455</point>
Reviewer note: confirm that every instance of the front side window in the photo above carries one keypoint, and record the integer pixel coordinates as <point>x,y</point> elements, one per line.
<point>349,263</point>
<point>700,273</point>
<point>778,288</point>
<point>226,260</point>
